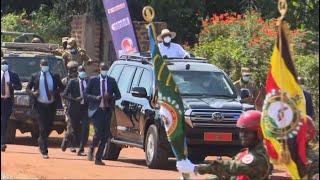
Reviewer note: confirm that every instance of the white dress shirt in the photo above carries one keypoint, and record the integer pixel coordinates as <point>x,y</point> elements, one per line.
<point>172,51</point>
<point>7,90</point>
<point>81,91</point>
<point>42,89</point>
<point>106,88</point>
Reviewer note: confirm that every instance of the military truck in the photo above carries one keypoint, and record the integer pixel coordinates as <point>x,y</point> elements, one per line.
<point>24,58</point>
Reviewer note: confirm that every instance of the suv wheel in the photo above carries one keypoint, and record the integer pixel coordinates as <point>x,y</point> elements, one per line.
<point>156,155</point>
<point>11,132</point>
<point>112,151</point>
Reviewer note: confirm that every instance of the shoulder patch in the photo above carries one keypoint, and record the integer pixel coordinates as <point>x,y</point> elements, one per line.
<point>247,159</point>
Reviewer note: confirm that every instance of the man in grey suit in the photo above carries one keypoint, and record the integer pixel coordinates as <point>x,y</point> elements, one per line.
<point>101,93</point>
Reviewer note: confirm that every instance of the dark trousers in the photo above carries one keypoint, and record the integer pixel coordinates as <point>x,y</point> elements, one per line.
<point>47,113</point>
<point>77,119</point>
<point>101,122</point>
<point>6,110</point>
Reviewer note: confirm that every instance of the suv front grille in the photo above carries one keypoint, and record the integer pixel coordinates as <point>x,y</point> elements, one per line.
<point>203,118</point>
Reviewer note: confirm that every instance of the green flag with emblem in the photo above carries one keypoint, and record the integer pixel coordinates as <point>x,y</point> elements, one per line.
<point>169,99</point>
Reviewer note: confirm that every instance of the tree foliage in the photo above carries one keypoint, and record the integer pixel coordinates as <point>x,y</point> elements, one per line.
<point>232,41</point>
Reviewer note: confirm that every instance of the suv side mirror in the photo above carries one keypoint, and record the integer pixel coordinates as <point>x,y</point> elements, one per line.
<point>245,93</point>
<point>140,92</point>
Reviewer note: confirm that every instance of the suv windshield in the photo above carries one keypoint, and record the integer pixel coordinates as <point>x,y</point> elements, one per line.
<point>203,83</point>
<point>26,66</point>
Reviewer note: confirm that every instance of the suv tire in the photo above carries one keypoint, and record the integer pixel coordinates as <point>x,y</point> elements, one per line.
<point>156,155</point>
<point>11,132</point>
<point>112,151</point>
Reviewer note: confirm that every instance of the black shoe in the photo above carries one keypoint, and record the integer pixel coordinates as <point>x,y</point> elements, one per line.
<point>99,162</point>
<point>81,153</point>
<point>45,156</point>
<point>63,146</point>
<point>3,148</point>
<point>73,150</point>
<point>90,155</point>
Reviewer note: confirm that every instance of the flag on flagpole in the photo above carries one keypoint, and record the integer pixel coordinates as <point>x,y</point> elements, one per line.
<point>169,99</point>
<point>284,112</point>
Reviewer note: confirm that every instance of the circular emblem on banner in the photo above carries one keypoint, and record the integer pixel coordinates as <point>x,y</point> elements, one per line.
<point>247,159</point>
<point>169,116</point>
<point>280,116</point>
<point>127,45</point>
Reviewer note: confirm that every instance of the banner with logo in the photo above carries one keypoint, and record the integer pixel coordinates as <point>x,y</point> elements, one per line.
<point>120,26</point>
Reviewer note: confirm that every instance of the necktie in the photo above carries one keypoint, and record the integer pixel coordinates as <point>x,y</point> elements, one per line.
<point>3,85</point>
<point>46,86</point>
<point>103,93</point>
<point>82,87</point>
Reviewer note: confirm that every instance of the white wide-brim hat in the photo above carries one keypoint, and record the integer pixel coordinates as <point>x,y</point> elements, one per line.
<point>165,32</point>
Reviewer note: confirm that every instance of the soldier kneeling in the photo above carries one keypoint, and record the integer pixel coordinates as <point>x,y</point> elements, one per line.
<point>252,162</point>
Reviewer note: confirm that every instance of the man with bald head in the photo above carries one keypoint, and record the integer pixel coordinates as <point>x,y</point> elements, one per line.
<point>101,93</point>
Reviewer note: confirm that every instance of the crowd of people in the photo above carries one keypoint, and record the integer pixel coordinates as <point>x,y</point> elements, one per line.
<point>94,99</point>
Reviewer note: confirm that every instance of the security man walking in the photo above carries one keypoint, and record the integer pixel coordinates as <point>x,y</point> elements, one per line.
<point>70,137</point>
<point>77,111</point>
<point>10,81</point>
<point>102,92</point>
<point>252,162</point>
<point>45,87</point>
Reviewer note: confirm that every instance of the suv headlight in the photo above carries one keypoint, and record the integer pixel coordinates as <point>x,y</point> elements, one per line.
<point>22,100</point>
<point>187,118</point>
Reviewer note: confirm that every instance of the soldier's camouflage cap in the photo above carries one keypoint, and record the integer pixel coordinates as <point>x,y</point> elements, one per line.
<point>245,71</point>
<point>64,39</point>
<point>71,42</point>
<point>72,64</point>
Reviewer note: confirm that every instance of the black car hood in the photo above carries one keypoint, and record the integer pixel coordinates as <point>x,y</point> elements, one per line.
<point>211,103</point>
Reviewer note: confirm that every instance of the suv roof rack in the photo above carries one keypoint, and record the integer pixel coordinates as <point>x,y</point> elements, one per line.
<point>197,60</point>
<point>43,47</point>
<point>22,36</point>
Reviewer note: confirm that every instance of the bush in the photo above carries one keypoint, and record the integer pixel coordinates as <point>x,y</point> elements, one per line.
<point>232,41</point>
<point>42,22</point>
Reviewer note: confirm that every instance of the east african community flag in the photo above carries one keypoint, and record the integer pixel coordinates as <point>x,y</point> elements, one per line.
<point>283,120</point>
<point>169,99</point>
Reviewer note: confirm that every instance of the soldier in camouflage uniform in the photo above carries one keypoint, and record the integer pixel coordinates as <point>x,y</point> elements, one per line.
<point>74,53</point>
<point>252,162</point>
<point>70,137</point>
<point>246,82</point>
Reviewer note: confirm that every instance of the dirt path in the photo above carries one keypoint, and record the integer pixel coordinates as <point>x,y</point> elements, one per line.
<point>23,161</point>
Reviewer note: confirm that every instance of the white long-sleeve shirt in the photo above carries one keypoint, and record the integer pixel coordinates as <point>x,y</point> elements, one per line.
<point>172,51</point>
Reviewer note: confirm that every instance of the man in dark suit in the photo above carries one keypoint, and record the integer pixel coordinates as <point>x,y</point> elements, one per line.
<point>77,111</point>
<point>102,92</point>
<point>45,87</point>
<point>10,81</point>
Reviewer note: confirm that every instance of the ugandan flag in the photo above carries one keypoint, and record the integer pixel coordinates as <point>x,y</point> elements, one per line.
<point>169,99</point>
<point>282,77</point>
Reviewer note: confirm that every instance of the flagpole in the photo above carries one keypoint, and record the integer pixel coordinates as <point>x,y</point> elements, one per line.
<point>148,15</point>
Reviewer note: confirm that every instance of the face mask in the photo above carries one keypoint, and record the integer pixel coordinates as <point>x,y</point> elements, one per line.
<point>246,78</point>
<point>82,75</point>
<point>103,73</point>
<point>45,68</point>
<point>4,67</point>
<point>167,39</point>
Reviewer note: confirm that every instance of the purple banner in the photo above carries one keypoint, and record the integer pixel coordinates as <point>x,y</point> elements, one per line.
<point>120,26</point>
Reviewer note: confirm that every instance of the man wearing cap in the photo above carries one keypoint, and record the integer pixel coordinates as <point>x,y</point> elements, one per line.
<point>77,112</point>
<point>246,82</point>
<point>10,81</point>
<point>74,53</point>
<point>169,49</point>
<point>252,162</point>
<point>60,51</point>
<point>70,136</point>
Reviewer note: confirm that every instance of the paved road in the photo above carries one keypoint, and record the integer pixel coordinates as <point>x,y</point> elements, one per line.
<point>23,161</point>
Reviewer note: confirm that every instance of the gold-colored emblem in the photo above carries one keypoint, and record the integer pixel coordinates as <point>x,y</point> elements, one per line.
<point>148,13</point>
